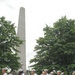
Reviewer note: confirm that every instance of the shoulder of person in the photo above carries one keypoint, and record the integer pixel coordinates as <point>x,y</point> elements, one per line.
<point>5,74</point>
<point>47,74</point>
<point>23,74</point>
<point>35,74</point>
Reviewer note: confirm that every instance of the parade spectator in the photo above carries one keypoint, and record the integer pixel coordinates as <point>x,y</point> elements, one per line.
<point>4,71</point>
<point>73,73</point>
<point>62,73</point>
<point>51,73</point>
<point>21,72</point>
<point>59,72</point>
<point>43,73</point>
<point>46,71</point>
<point>33,72</point>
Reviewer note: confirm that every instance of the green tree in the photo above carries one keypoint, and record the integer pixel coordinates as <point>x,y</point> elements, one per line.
<point>8,43</point>
<point>57,48</point>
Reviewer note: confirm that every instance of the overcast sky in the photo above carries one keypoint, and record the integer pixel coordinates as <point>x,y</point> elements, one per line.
<point>38,14</point>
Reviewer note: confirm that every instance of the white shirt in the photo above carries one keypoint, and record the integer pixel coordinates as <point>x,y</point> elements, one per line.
<point>23,74</point>
<point>47,74</point>
<point>5,74</point>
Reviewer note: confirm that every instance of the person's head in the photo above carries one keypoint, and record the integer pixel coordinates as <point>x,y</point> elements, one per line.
<point>73,73</point>
<point>32,71</point>
<point>45,70</point>
<point>42,72</point>
<point>4,70</point>
<point>51,73</point>
<point>62,73</point>
<point>20,71</point>
<point>58,72</point>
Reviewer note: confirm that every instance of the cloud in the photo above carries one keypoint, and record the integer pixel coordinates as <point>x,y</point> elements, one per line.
<point>2,0</point>
<point>6,3</point>
<point>9,6</point>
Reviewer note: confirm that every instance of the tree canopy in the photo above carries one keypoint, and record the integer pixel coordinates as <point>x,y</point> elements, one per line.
<point>8,43</point>
<point>56,50</point>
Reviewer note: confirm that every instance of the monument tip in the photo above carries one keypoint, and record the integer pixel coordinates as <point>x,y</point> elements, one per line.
<point>22,8</point>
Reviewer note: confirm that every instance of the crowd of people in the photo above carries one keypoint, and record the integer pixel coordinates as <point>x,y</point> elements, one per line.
<point>45,72</point>
<point>33,72</point>
<point>5,72</point>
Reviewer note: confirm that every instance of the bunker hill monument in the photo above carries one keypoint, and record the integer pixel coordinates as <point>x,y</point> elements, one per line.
<point>21,35</point>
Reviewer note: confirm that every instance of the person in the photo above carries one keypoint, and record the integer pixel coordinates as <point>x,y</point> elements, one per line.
<point>21,72</point>
<point>43,73</point>
<point>51,73</point>
<point>46,71</point>
<point>73,73</point>
<point>58,72</point>
<point>33,72</point>
<point>62,73</point>
<point>4,71</point>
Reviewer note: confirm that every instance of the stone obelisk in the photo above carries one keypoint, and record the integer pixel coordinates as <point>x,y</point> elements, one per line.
<point>21,35</point>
